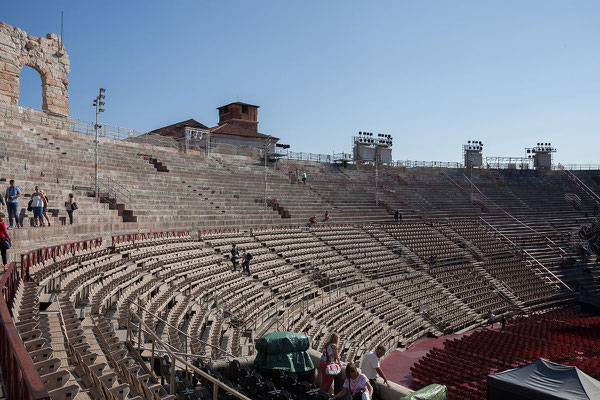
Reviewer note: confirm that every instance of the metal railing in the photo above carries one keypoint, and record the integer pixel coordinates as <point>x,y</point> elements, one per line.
<point>427,164</point>
<point>113,189</point>
<point>487,225</point>
<point>105,131</point>
<point>21,379</point>
<point>577,167</point>
<point>176,359</point>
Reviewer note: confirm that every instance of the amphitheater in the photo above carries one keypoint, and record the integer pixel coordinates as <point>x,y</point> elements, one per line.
<point>138,300</point>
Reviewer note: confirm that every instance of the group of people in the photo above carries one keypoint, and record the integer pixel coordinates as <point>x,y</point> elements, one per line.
<point>246,257</point>
<point>313,220</point>
<point>38,204</point>
<point>295,177</point>
<point>361,385</point>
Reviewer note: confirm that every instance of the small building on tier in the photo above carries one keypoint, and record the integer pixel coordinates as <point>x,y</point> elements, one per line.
<point>238,126</point>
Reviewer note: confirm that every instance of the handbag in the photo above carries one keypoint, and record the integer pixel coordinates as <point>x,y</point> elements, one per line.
<point>358,395</point>
<point>74,206</point>
<point>332,369</point>
<point>29,205</point>
<point>7,244</point>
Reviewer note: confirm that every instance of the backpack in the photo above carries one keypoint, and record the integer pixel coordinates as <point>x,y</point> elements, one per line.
<point>248,256</point>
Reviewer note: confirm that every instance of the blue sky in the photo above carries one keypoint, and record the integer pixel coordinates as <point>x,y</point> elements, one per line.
<point>434,74</point>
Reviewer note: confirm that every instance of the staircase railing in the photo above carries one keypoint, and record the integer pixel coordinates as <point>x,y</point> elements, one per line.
<point>114,189</point>
<point>175,357</point>
<point>580,183</point>
<point>573,199</point>
<point>531,257</point>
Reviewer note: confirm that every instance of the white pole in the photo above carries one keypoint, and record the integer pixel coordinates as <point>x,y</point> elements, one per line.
<point>96,152</point>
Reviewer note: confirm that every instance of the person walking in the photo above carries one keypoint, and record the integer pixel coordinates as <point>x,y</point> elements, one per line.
<point>45,210</point>
<point>246,263</point>
<point>503,322</point>
<point>5,242</point>
<point>37,206</point>
<point>330,356</point>
<point>12,203</point>
<point>304,177</point>
<point>355,383</point>
<point>69,207</point>
<point>371,367</point>
<point>491,319</point>
<point>234,256</point>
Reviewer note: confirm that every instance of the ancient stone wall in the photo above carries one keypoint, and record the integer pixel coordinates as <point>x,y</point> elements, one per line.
<point>46,55</point>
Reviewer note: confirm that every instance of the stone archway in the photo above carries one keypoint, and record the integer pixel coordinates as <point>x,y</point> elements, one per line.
<point>46,55</point>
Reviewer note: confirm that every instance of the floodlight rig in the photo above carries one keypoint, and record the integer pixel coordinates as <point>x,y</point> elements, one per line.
<point>370,148</point>
<point>472,153</point>
<point>541,154</point>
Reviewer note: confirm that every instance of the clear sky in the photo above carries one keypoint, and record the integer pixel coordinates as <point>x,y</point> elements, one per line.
<point>433,74</point>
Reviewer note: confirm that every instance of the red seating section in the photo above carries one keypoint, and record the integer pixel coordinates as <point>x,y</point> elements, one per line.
<point>564,336</point>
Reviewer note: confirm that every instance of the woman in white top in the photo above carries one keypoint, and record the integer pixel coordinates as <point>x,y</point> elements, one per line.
<point>356,383</point>
<point>37,206</point>
<point>330,356</point>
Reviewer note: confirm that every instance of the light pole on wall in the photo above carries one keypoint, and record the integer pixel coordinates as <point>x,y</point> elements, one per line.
<point>267,144</point>
<point>98,103</point>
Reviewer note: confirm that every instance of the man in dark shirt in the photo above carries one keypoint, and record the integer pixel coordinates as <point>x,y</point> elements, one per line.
<point>234,256</point>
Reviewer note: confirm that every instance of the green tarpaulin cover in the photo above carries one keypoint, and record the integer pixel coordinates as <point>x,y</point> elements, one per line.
<point>431,392</point>
<point>284,350</point>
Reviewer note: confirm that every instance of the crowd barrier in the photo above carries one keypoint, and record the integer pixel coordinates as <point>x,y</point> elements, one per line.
<point>21,379</point>
<point>274,228</point>
<point>40,255</point>
<point>139,236</point>
<point>206,232</point>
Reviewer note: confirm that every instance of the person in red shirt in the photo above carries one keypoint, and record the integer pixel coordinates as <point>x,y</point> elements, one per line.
<point>4,239</point>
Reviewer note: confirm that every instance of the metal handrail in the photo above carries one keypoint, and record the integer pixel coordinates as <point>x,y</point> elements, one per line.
<point>525,252</point>
<point>142,326</point>
<point>180,331</point>
<point>21,379</point>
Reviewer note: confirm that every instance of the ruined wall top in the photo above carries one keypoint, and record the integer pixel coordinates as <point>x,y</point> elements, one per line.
<point>46,55</point>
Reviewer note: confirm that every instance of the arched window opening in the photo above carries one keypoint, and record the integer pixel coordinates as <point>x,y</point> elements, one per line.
<point>30,88</point>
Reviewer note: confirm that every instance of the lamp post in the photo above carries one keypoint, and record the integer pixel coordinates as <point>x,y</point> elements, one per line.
<point>376,175</point>
<point>267,143</point>
<point>98,103</point>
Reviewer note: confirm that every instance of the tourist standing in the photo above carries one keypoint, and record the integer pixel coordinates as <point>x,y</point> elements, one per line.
<point>37,206</point>
<point>330,356</point>
<point>234,256</point>
<point>246,263</point>
<point>45,210</point>
<point>69,207</point>
<point>12,203</point>
<point>5,242</point>
<point>491,319</point>
<point>304,177</point>
<point>371,367</point>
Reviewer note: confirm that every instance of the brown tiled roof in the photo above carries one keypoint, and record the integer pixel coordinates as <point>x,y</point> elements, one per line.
<point>239,102</point>
<point>192,123</point>
<point>233,129</point>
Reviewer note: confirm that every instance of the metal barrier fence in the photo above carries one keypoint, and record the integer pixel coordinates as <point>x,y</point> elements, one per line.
<point>40,255</point>
<point>578,167</point>
<point>21,379</point>
<point>105,131</point>
<point>133,237</point>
